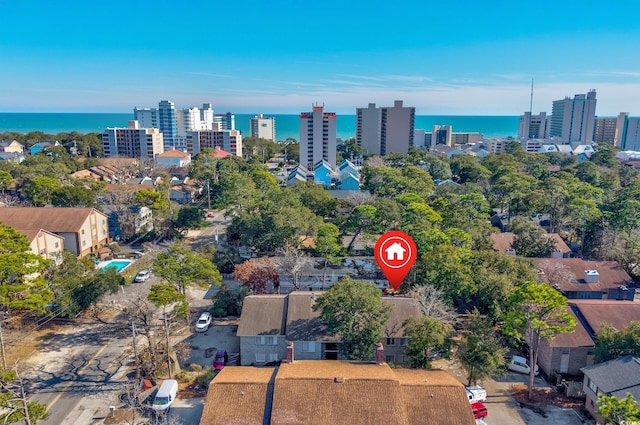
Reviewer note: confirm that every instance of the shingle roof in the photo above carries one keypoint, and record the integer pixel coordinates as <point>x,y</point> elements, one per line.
<point>58,220</point>
<point>173,154</point>
<point>610,274</point>
<point>337,392</point>
<point>502,241</point>
<point>262,315</point>
<point>616,313</point>
<point>578,338</point>
<point>616,377</point>
<point>237,396</point>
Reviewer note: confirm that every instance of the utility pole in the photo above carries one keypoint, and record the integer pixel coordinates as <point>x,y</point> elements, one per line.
<point>209,192</point>
<point>135,352</point>
<point>4,356</point>
<point>166,334</point>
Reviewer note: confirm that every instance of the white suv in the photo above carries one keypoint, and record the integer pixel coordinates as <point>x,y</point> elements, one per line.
<point>203,323</point>
<point>143,275</point>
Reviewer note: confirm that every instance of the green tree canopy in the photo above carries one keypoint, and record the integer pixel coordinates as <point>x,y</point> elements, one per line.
<point>612,343</point>
<point>617,411</point>
<point>183,268</point>
<point>354,311</point>
<point>536,311</point>
<point>425,335</point>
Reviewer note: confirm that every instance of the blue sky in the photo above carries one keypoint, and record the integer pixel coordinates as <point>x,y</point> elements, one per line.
<point>280,56</point>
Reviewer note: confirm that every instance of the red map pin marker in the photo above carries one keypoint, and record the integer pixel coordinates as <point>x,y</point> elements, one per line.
<point>395,253</point>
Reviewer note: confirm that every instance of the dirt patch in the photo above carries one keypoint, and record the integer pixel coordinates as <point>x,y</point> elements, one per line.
<point>544,397</point>
<point>191,390</point>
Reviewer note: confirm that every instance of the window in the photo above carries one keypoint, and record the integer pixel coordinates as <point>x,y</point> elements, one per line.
<point>391,341</point>
<point>260,358</point>
<point>266,340</point>
<point>404,359</point>
<point>57,245</point>
<point>390,358</point>
<point>273,357</point>
<point>271,340</point>
<point>404,341</point>
<point>592,386</point>
<point>308,347</point>
<point>259,340</point>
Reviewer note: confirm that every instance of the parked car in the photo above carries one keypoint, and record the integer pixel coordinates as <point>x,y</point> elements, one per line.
<point>142,276</point>
<point>519,364</point>
<point>479,410</point>
<point>165,396</point>
<point>220,359</point>
<point>203,323</point>
<point>476,393</point>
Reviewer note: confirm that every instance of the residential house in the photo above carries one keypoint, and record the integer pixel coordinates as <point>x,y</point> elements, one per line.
<point>298,174</point>
<point>84,230</point>
<point>567,353</point>
<point>269,322</point>
<point>39,147</point>
<point>12,156</point>
<point>317,392</point>
<point>581,279</point>
<point>503,242</point>
<point>46,244</point>
<point>173,158</point>
<point>127,221</point>
<point>323,173</point>
<point>616,377</point>
<point>348,176</point>
<point>11,146</point>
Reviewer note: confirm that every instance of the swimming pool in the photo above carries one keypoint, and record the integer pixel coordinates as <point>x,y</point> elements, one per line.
<point>119,265</point>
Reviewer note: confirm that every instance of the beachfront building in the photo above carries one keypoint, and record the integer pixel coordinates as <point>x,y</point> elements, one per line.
<point>604,130</point>
<point>386,129</point>
<point>226,140</point>
<point>175,123</point>
<point>573,120</point>
<point>263,127</point>
<point>317,137</point>
<point>227,121</point>
<point>533,126</point>
<point>132,142</point>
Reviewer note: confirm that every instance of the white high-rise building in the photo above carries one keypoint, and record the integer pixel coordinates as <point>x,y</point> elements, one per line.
<point>386,129</point>
<point>573,120</point>
<point>263,127</point>
<point>132,142</point>
<point>532,126</point>
<point>175,123</point>
<point>317,137</point>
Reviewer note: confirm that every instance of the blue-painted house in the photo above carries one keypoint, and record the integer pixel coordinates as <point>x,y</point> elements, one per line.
<point>323,173</point>
<point>348,176</point>
<point>298,174</point>
<point>39,147</point>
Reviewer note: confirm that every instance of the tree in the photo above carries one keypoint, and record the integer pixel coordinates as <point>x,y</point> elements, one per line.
<point>354,310</point>
<point>22,286</point>
<point>612,343</point>
<point>426,334</point>
<point>189,218</point>
<point>6,179</point>
<point>617,411</point>
<point>73,196</point>
<point>432,303</point>
<point>536,311</point>
<point>257,276</point>
<point>327,244</point>
<point>481,353</point>
<point>40,190</point>
<point>531,240</point>
<point>181,267</point>
<point>14,404</point>
<point>291,261</point>
<point>316,198</point>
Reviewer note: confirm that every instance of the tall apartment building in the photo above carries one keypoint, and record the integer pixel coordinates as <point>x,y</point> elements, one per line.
<point>532,126</point>
<point>441,135</point>
<point>573,120</point>
<point>317,137</point>
<point>168,123</point>
<point>132,142</point>
<point>227,121</point>
<point>386,129</point>
<point>604,130</point>
<point>227,140</point>
<point>263,127</point>
<point>628,132</point>
<point>174,123</point>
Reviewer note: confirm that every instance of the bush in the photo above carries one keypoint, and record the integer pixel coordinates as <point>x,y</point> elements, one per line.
<point>195,367</point>
<point>205,377</point>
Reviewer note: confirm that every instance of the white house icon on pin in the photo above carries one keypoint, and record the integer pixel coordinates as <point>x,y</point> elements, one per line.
<point>395,252</point>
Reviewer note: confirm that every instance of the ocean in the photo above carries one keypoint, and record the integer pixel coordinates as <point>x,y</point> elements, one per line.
<point>287,126</point>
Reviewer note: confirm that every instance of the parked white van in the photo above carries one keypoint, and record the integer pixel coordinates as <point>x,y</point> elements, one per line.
<point>476,393</point>
<point>165,396</point>
<point>519,364</point>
